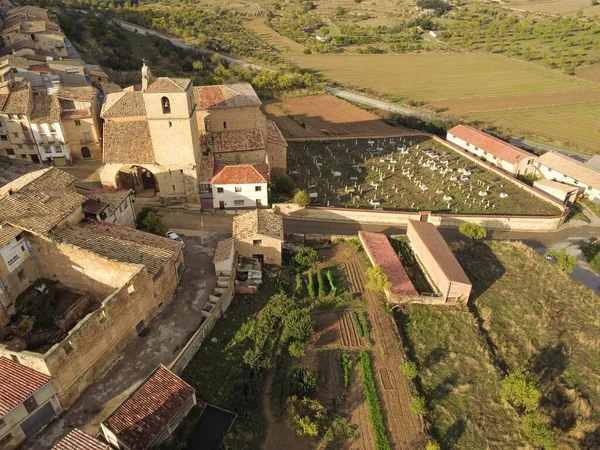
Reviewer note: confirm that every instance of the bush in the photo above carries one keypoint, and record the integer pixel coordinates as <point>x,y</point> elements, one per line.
<point>298,349</point>
<point>346,368</point>
<point>332,287</point>
<point>284,185</point>
<point>418,406</point>
<point>302,199</point>
<point>537,432</point>
<point>298,325</point>
<point>564,262</point>
<point>321,281</point>
<point>432,445</point>
<point>299,291</point>
<point>472,230</point>
<point>519,390</point>
<point>306,256</point>
<point>409,370</point>
<point>303,382</point>
<point>378,280</point>
<point>311,285</point>
<point>381,439</point>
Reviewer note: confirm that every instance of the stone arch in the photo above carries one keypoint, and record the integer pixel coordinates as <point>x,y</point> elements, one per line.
<point>138,178</point>
<point>166,105</point>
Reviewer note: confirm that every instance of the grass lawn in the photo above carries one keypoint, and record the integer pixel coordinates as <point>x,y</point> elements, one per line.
<point>346,173</point>
<point>459,382</point>
<point>577,213</point>
<point>541,321</point>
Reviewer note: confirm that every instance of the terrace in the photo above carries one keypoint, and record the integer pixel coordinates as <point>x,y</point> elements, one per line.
<point>46,311</point>
<point>412,173</point>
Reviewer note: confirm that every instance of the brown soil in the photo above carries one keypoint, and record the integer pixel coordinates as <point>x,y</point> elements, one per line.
<point>336,329</point>
<point>325,116</point>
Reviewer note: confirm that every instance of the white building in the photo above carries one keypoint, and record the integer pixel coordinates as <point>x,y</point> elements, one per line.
<point>28,402</point>
<point>47,129</point>
<point>557,167</point>
<point>240,186</point>
<point>111,206</point>
<point>495,151</point>
<point>224,257</point>
<point>565,193</point>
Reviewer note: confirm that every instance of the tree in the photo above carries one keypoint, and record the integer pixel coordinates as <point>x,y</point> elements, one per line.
<point>284,185</point>
<point>378,280</point>
<point>298,325</point>
<point>418,406</point>
<point>302,199</point>
<point>303,382</point>
<point>339,11</point>
<point>306,256</point>
<point>519,390</point>
<point>537,432</point>
<point>472,230</point>
<point>564,262</point>
<point>153,223</point>
<point>409,370</point>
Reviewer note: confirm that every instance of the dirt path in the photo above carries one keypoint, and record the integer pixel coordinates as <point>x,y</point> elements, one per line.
<point>404,428</point>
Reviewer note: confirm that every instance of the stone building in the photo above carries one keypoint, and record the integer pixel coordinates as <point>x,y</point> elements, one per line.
<point>259,234</point>
<point>28,402</point>
<point>151,413</point>
<point>165,137</point>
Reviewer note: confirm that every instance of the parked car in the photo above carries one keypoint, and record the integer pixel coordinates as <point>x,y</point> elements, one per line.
<point>174,236</point>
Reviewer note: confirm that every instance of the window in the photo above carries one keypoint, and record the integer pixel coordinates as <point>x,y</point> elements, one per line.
<point>47,150</point>
<point>3,138</point>
<point>15,134</point>
<point>78,123</point>
<point>238,189</point>
<point>30,404</point>
<point>10,151</point>
<point>220,190</point>
<point>238,202</point>
<point>85,152</point>
<point>257,188</point>
<point>23,156</point>
<point>88,137</point>
<point>68,347</point>
<point>52,128</point>
<point>170,124</point>
<point>173,187</point>
<point>20,146</point>
<point>166,105</point>
<point>224,124</point>
<point>257,242</point>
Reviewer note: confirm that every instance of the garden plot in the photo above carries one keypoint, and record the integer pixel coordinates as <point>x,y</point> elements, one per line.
<point>404,174</point>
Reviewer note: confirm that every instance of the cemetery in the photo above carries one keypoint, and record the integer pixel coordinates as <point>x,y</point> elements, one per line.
<point>410,173</point>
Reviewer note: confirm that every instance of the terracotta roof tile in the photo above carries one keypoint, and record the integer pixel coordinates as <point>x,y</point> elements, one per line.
<point>241,174</point>
<point>17,383</point>
<point>13,168</point>
<point>113,198</point>
<point>128,142</point>
<point>382,254</point>
<point>83,93</point>
<point>168,85</point>
<point>274,135</point>
<point>259,221</point>
<point>237,141</point>
<point>46,108</point>
<point>141,418</point>
<point>436,245</point>
<point>581,172</point>
<point>223,250</point>
<point>207,168</point>
<point>121,104</point>
<point>78,440</point>
<point>226,96</point>
<point>490,144</point>
<point>8,233</point>
<point>19,98</point>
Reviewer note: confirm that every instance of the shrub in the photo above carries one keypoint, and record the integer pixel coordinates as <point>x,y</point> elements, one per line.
<point>284,185</point>
<point>346,368</point>
<point>306,256</point>
<point>418,406</point>
<point>537,432</point>
<point>321,281</point>
<point>299,291</point>
<point>311,285</point>
<point>378,280</point>
<point>302,199</point>
<point>432,445</point>
<point>341,430</point>
<point>409,370</point>
<point>381,440</point>
<point>564,262</point>
<point>298,325</point>
<point>298,349</point>
<point>472,230</point>
<point>153,223</point>
<point>303,382</point>
<point>305,416</point>
<point>519,390</point>
<point>332,287</point>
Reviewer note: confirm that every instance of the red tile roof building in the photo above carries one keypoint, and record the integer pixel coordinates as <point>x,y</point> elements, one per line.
<point>380,253</point>
<point>17,384</point>
<point>78,440</point>
<point>151,412</point>
<point>241,174</point>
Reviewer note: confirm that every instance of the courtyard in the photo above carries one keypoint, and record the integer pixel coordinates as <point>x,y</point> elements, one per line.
<point>410,173</point>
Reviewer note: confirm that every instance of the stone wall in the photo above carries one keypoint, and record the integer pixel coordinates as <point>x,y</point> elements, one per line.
<point>242,157</point>
<point>277,159</point>
<point>270,248</point>
<point>75,137</point>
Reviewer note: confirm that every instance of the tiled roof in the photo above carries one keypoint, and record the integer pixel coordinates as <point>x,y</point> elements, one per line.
<point>120,104</point>
<point>383,255</point>
<point>141,418</point>
<point>19,99</point>
<point>128,142</point>
<point>78,440</point>
<point>237,141</point>
<point>259,221</point>
<point>207,168</point>
<point>274,135</point>
<point>46,108</point>
<point>121,243</point>
<point>13,168</point>
<point>226,96</point>
<point>108,87</point>
<point>78,114</point>
<point>8,233</point>
<point>168,85</point>
<point>83,93</point>
<point>436,245</point>
<point>111,197</point>
<point>14,61</point>
<point>490,144</point>
<point>241,174</point>
<point>17,383</point>
<point>223,251</point>
<point>39,200</point>
<point>568,188</point>
<point>581,172</point>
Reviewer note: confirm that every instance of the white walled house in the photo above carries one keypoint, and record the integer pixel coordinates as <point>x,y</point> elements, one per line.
<point>47,130</point>
<point>111,206</point>
<point>28,402</point>
<point>495,151</point>
<point>557,167</point>
<point>240,186</point>
<point>224,257</point>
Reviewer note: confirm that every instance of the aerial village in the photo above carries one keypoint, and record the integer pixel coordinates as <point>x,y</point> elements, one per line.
<point>103,323</point>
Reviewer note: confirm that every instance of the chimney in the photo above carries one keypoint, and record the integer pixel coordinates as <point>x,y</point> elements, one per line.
<point>146,75</point>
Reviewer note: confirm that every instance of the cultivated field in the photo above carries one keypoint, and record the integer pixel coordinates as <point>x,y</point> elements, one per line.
<point>560,7</point>
<point>545,323</point>
<point>410,173</point>
<point>325,115</point>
